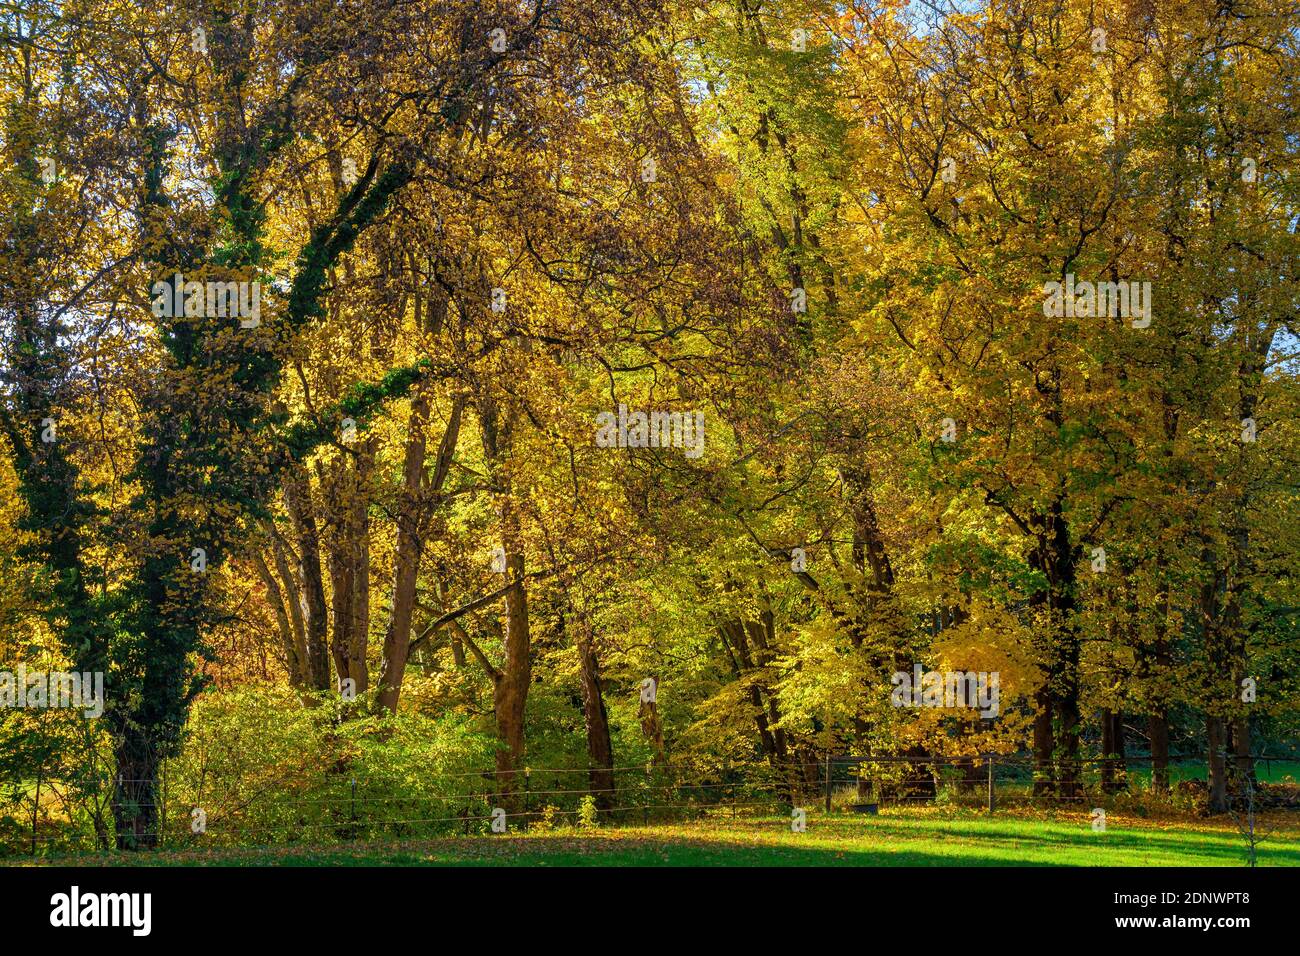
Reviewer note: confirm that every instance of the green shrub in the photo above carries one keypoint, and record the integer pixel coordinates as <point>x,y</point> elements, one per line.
<point>588,817</point>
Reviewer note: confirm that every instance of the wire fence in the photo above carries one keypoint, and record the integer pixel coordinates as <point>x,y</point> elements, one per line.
<point>1017,779</point>
<point>341,808</point>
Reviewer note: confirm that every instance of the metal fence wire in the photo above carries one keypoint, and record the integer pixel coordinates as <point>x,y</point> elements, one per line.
<point>341,808</point>
<point>865,783</point>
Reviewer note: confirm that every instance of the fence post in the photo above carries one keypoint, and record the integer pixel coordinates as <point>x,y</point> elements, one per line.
<point>828,781</point>
<point>992,798</point>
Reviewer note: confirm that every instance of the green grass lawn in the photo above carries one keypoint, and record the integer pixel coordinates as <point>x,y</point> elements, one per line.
<point>898,838</point>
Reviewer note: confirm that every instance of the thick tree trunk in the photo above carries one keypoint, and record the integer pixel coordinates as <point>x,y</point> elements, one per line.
<point>135,791</point>
<point>1044,743</point>
<point>1215,745</point>
<point>1070,766</point>
<point>1220,683</point>
<point>1044,740</point>
<point>1161,655</point>
<point>1113,768</point>
<point>1250,372</point>
<point>1244,762</point>
<point>349,560</point>
<point>1158,720</point>
<point>1057,718</point>
<point>600,748</point>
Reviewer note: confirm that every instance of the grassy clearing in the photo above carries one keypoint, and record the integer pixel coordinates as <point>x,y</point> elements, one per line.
<point>895,838</point>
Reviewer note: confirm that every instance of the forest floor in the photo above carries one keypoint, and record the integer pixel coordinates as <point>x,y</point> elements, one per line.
<point>903,837</point>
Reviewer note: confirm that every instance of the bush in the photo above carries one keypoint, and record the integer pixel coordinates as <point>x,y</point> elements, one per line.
<point>266,769</point>
<point>588,817</point>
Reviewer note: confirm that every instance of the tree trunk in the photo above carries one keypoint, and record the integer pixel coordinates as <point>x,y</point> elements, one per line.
<point>1113,768</point>
<point>420,492</point>
<point>293,656</point>
<point>342,582</point>
<point>1065,683</point>
<point>600,748</point>
<point>292,601</point>
<point>360,645</point>
<point>1107,748</point>
<point>406,561</point>
<point>651,728</point>
<point>1161,655</point>
<point>298,499</point>
<point>1044,743</point>
<point>1244,762</point>
<point>871,560</point>
<point>1220,684</point>
<point>736,644</point>
<point>919,782</point>
<point>135,791</point>
<point>511,692</point>
<point>1214,737</point>
<point>457,645</point>
<point>1158,730</point>
<point>1070,765</point>
<point>1158,720</point>
<point>349,561</point>
<point>762,633</point>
